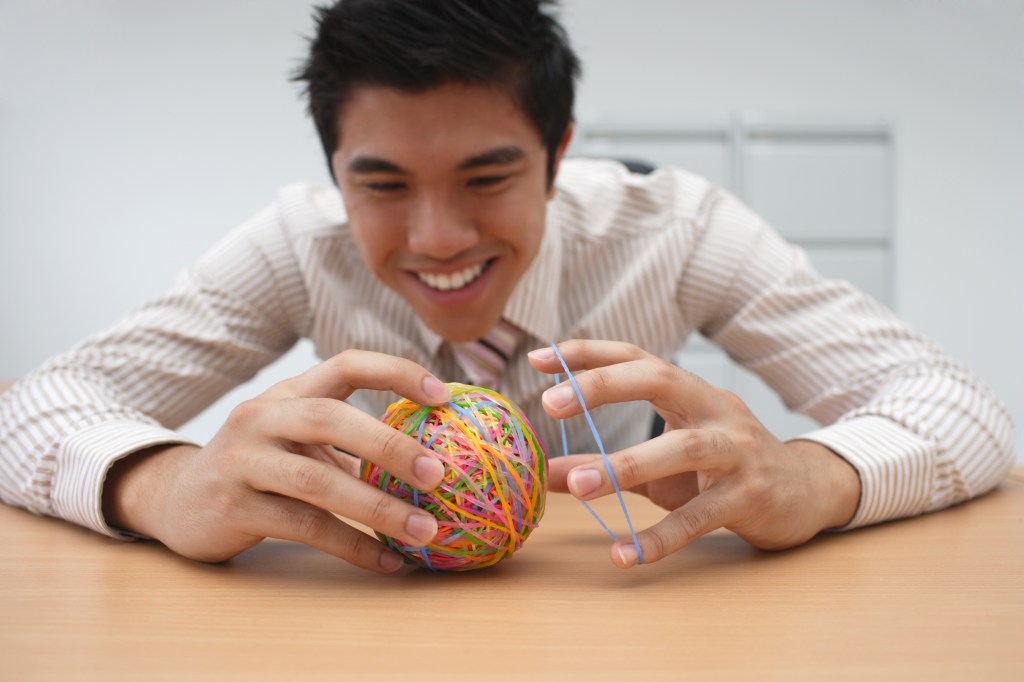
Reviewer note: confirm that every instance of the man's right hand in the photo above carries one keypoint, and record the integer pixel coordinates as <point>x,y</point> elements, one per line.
<point>272,470</point>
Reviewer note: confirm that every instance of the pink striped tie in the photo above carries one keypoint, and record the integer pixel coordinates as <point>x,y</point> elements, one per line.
<point>484,360</point>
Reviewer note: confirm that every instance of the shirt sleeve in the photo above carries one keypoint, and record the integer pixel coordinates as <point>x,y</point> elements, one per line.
<point>921,430</point>
<point>125,389</point>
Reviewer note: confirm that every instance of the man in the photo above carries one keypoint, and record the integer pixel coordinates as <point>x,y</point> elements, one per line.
<point>457,218</point>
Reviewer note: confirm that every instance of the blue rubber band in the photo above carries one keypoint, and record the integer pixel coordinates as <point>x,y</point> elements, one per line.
<point>565,450</point>
<point>604,457</point>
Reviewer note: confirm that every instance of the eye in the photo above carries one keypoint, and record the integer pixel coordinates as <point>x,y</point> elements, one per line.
<point>384,187</point>
<point>486,181</point>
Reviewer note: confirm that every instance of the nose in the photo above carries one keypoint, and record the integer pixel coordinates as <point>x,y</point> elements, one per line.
<point>439,228</point>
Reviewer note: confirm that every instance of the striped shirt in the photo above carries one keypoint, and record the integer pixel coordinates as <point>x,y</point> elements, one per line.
<point>646,259</point>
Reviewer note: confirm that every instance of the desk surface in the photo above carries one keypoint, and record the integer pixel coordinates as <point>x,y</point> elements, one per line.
<point>938,597</point>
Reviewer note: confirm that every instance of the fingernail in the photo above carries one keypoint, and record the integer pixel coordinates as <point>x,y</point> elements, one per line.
<point>421,529</point>
<point>582,482</point>
<point>542,354</point>
<point>428,469</point>
<point>435,390</point>
<point>389,562</point>
<point>558,397</point>
<point>627,555</point>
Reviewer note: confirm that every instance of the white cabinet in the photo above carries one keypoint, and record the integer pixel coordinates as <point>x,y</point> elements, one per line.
<point>703,149</point>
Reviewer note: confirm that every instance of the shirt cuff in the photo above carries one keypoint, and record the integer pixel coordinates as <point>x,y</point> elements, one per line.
<point>84,460</point>
<point>895,466</point>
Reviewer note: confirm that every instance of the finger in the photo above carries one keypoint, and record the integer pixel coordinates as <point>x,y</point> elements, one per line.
<point>701,515</point>
<point>289,519</point>
<point>325,421</point>
<point>326,488</point>
<point>340,375</point>
<point>671,453</point>
<point>345,461</point>
<point>667,387</point>
<point>584,354</point>
<point>559,468</point>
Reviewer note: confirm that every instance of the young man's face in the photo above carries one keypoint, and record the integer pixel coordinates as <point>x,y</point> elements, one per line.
<point>446,193</point>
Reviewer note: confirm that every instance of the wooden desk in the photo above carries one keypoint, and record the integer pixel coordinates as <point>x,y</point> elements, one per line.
<point>940,597</point>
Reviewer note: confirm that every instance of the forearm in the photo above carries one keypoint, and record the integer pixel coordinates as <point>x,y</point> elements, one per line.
<point>923,434</point>
<point>930,441</point>
<point>57,443</point>
<point>121,391</point>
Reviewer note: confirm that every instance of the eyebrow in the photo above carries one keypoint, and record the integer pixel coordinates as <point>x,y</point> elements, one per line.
<point>373,164</point>
<point>492,157</point>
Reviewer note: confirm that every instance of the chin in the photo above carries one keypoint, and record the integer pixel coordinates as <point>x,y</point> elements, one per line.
<point>460,332</point>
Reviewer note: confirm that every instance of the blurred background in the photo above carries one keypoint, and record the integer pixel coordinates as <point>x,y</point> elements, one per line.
<point>133,133</point>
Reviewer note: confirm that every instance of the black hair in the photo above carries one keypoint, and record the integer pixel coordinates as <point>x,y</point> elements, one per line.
<point>417,45</point>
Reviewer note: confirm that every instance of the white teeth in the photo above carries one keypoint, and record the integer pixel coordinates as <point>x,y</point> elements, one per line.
<point>454,280</point>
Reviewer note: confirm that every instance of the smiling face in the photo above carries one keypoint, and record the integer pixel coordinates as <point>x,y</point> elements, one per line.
<point>446,193</point>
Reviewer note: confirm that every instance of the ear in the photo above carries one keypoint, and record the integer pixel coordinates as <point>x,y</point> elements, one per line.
<point>559,153</point>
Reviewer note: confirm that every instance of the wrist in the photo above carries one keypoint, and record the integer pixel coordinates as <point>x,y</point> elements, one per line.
<point>837,483</point>
<point>132,486</point>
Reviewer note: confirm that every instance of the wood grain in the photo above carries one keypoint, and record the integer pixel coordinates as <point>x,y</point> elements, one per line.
<point>938,597</point>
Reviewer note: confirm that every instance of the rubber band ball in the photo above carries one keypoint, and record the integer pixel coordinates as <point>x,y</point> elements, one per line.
<point>495,482</point>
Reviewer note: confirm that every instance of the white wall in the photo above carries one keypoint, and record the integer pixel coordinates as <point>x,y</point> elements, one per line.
<point>134,132</point>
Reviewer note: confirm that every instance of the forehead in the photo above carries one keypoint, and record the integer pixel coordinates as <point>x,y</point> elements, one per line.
<point>451,118</point>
